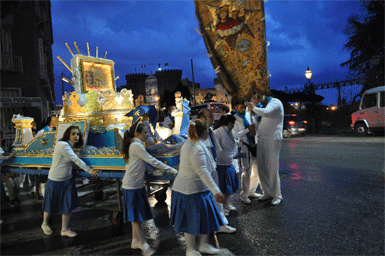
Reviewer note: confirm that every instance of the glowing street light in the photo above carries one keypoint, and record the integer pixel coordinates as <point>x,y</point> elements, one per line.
<point>308,74</point>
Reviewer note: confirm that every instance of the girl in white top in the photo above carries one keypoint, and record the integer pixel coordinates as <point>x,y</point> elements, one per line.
<point>60,194</point>
<point>193,208</point>
<point>136,208</point>
<point>227,176</point>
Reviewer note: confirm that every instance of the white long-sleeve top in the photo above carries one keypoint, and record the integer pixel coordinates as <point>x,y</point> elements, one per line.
<point>136,166</point>
<point>271,125</point>
<point>196,169</point>
<point>227,143</point>
<point>63,158</point>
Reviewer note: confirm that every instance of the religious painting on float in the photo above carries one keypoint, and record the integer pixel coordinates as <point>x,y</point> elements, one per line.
<point>235,38</point>
<point>96,74</point>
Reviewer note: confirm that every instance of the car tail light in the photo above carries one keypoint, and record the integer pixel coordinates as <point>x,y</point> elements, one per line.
<point>305,122</point>
<point>291,122</point>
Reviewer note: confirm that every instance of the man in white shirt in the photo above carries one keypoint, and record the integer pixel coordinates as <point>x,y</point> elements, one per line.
<point>245,132</point>
<point>270,118</point>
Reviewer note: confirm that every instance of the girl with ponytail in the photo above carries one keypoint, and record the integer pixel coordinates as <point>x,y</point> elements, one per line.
<point>136,208</point>
<point>194,192</point>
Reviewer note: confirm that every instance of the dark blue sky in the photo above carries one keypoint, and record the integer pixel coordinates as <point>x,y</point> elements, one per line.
<point>135,33</point>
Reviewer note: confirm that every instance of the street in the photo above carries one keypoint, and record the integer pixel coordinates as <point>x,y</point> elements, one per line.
<point>333,204</point>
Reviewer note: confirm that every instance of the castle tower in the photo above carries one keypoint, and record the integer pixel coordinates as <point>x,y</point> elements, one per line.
<point>136,83</point>
<point>168,79</point>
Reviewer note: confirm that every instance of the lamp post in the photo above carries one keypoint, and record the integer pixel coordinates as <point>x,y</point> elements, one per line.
<point>308,75</point>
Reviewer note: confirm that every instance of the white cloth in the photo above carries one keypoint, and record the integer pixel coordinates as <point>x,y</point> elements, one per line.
<point>62,159</point>
<point>167,122</point>
<point>196,169</point>
<point>136,166</point>
<point>271,125</point>
<point>268,166</point>
<point>41,132</point>
<point>227,142</point>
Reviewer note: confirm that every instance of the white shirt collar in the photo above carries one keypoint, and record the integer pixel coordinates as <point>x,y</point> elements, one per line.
<point>71,143</point>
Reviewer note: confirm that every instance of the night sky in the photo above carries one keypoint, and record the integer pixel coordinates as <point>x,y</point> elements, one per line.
<point>145,33</point>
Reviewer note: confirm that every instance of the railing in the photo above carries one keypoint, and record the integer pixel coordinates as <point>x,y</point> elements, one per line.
<point>11,62</point>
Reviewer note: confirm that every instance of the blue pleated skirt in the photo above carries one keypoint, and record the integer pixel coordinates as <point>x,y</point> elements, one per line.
<point>135,205</point>
<point>60,197</point>
<point>228,179</point>
<point>195,214</point>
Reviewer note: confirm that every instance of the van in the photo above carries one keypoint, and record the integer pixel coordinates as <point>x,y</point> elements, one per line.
<point>371,114</point>
<point>214,106</point>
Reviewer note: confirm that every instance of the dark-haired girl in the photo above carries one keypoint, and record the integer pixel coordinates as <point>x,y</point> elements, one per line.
<point>136,208</point>
<point>60,192</point>
<point>227,176</point>
<point>194,192</point>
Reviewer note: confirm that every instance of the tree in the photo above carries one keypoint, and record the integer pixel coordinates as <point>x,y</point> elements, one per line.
<point>366,39</point>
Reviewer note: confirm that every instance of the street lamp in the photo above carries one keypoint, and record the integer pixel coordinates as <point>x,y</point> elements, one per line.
<point>308,74</point>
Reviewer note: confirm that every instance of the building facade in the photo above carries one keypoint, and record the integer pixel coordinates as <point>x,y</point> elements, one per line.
<point>27,78</point>
<point>167,79</point>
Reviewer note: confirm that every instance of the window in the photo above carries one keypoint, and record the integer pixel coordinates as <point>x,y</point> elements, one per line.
<point>6,41</point>
<point>370,100</point>
<point>382,99</point>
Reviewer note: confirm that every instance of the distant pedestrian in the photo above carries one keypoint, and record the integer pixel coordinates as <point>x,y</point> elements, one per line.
<point>136,208</point>
<point>270,112</point>
<point>194,192</point>
<point>60,193</point>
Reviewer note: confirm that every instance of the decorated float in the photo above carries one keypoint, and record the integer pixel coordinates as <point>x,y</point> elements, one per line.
<point>103,114</point>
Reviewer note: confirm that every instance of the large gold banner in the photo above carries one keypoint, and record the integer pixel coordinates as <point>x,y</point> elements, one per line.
<point>234,34</point>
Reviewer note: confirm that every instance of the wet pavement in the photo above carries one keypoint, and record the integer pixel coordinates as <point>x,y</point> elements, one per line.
<point>333,190</point>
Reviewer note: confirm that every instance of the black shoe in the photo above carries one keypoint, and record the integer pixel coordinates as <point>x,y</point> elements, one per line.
<point>12,203</point>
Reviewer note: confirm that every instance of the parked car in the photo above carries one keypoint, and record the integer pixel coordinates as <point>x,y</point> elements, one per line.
<point>293,125</point>
<point>370,116</point>
<point>215,107</point>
